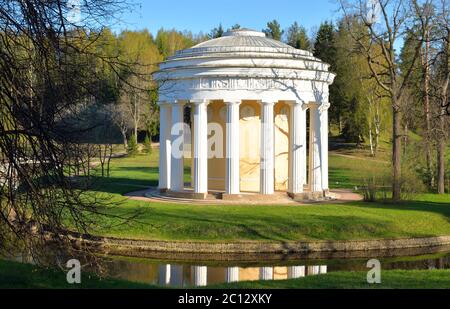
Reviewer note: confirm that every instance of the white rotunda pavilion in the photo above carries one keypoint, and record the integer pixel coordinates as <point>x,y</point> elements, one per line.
<point>266,97</point>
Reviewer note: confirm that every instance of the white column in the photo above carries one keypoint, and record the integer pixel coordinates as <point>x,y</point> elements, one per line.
<point>324,146</point>
<point>295,271</point>
<point>315,168</point>
<point>200,147</point>
<point>177,132</point>
<point>232,144</point>
<point>297,155</point>
<point>165,124</point>
<point>266,273</point>
<point>313,270</point>
<point>164,274</point>
<point>200,275</point>
<point>267,149</point>
<point>232,274</point>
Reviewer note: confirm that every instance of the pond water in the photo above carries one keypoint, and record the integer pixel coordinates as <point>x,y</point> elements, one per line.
<point>201,273</point>
<point>191,271</point>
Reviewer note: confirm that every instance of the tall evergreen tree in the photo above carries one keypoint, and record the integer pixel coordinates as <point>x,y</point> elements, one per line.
<point>297,37</point>
<point>324,45</point>
<point>273,30</point>
<point>325,50</point>
<point>235,27</point>
<point>216,32</point>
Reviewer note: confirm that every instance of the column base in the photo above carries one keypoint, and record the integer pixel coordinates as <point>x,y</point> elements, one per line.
<point>240,196</point>
<point>312,196</point>
<point>163,190</point>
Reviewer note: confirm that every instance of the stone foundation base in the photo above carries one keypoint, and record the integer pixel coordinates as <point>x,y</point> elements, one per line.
<point>312,196</point>
<point>250,197</point>
<point>186,194</point>
<point>238,197</point>
<point>245,198</point>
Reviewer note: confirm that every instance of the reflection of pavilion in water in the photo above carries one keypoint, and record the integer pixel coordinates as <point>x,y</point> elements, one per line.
<point>179,275</point>
<point>183,275</point>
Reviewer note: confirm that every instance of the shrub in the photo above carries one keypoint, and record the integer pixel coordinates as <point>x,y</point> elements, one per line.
<point>148,144</point>
<point>376,188</point>
<point>132,145</point>
<point>411,184</point>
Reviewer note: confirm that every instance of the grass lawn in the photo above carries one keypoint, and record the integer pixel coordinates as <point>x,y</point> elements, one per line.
<point>352,170</point>
<point>356,220</point>
<point>427,215</point>
<point>390,279</point>
<point>346,170</point>
<point>17,275</point>
<point>27,276</point>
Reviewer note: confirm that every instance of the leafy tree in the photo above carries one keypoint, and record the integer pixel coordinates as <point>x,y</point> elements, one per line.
<point>169,41</point>
<point>355,128</point>
<point>440,83</point>
<point>416,114</point>
<point>53,70</point>
<point>356,97</point>
<point>138,48</point>
<point>273,30</point>
<point>383,33</point>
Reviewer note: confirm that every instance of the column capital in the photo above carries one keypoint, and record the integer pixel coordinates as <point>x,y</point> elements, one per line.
<point>199,101</point>
<point>232,102</point>
<point>324,106</point>
<point>293,102</point>
<point>179,102</point>
<point>303,105</point>
<point>267,102</point>
<point>164,103</point>
<point>312,104</point>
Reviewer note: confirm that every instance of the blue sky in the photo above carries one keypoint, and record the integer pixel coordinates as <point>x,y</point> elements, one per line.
<point>203,15</point>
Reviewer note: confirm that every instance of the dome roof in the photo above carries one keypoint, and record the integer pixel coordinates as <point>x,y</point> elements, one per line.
<point>243,64</point>
<point>243,38</point>
<point>253,43</point>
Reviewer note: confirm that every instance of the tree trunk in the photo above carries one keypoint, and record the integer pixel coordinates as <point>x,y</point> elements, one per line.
<point>426,102</point>
<point>108,166</point>
<point>377,125</point>
<point>441,166</point>
<point>377,139</point>
<point>396,154</point>
<point>405,138</point>
<point>371,142</point>
<point>442,125</point>
<point>125,140</point>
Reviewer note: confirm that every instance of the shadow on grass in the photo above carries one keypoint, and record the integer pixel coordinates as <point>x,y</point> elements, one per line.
<point>121,185</point>
<point>318,227</point>
<point>442,208</point>
<point>151,170</point>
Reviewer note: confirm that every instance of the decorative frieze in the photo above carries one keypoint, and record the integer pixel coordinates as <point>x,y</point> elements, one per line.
<point>231,83</point>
